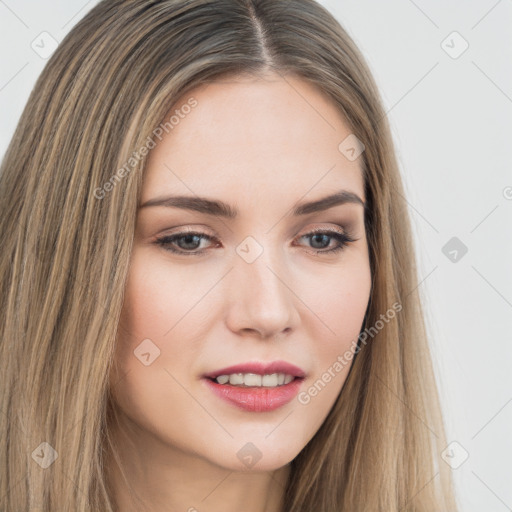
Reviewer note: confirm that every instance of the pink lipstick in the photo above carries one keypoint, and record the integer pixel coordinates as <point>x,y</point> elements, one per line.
<point>256,387</point>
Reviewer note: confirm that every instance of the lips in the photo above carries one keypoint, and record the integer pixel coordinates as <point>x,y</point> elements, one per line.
<point>259,369</point>
<point>256,398</point>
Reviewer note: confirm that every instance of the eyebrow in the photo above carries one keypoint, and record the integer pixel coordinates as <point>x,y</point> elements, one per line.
<point>221,209</point>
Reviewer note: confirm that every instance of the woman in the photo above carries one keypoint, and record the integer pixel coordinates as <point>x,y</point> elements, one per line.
<point>209,296</point>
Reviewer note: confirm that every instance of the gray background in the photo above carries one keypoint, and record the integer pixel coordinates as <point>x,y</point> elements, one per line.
<point>451,117</point>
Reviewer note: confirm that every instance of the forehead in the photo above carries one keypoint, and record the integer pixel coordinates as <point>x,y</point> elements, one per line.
<point>270,136</point>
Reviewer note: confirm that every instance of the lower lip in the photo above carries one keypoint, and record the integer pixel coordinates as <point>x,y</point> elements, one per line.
<point>256,399</point>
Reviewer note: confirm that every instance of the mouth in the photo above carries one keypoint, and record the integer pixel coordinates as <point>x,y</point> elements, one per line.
<point>256,387</point>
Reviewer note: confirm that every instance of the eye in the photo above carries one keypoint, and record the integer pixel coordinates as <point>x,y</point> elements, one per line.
<point>320,238</point>
<point>188,243</point>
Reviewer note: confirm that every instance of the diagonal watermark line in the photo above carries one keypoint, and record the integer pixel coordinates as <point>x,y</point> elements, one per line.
<point>491,419</point>
<point>424,13</point>
<point>491,490</point>
<point>304,195</point>
<point>413,87</point>
<point>217,486</point>
<point>492,211</point>
<point>74,483</point>
<point>227,476</point>
<point>418,212</point>
<point>272,476</point>
<point>279,424</point>
<point>410,499</point>
<point>75,15</point>
<point>80,421</point>
<point>391,391</point>
<point>184,184</point>
<point>491,285</point>
<point>418,285</point>
<point>13,13</point>
<point>198,402</point>
<point>485,15</point>
<point>12,487</point>
<point>211,288</point>
<point>301,300</point>
<point>492,81</point>
<point>14,76</point>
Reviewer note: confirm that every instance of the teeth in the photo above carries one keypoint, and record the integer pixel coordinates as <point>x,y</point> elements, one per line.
<point>222,379</point>
<point>255,380</point>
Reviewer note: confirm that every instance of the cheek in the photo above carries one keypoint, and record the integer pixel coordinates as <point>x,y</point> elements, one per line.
<point>153,348</point>
<point>338,303</point>
<point>157,301</point>
<point>150,311</point>
<point>167,306</point>
<point>337,311</point>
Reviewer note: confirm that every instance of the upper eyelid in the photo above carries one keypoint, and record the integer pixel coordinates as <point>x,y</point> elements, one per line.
<point>199,231</point>
<point>334,225</point>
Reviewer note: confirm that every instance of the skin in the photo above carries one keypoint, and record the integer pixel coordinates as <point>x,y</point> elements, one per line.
<point>261,144</point>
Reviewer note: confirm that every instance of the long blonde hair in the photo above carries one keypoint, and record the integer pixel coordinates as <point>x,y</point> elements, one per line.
<point>66,249</point>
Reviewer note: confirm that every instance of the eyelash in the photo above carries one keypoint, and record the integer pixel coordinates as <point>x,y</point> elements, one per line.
<point>343,240</point>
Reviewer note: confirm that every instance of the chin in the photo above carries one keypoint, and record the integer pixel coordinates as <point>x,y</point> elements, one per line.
<point>254,457</point>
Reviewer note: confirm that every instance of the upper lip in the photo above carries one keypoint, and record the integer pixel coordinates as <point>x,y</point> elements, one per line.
<point>259,369</point>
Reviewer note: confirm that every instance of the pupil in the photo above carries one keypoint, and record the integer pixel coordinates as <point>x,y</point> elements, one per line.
<point>320,235</point>
<point>187,239</point>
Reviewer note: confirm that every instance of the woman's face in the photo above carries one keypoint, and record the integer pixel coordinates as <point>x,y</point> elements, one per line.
<point>255,288</point>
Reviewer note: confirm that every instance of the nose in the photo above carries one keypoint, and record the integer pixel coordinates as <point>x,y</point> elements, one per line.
<point>262,300</point>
